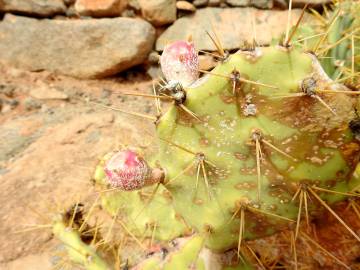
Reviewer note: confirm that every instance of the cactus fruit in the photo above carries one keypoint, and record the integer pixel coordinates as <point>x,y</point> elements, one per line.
<point>180,63</point>
<point>127,171</point>
<point>262,142</point>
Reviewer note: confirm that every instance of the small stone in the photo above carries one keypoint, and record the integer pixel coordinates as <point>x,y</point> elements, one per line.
<point>106,93</point>
<point>158,12</point>
<point>154,57</point>
<point>71,12</point>
<point>46,92</point>
<point>134,4</point>
<point>238,3</point>
<point>200,3</point>
<point>69,2</point>
<point>13,103</point>
<point>129,13</point>
<point>206,62</point>
<point>32,104</point>
<point>154,72</point>
<point>214,3</point>
<point>264,4</point>
<point>186,6</point>
<point>100,8</point>
<point>312,3</point>
<point>34,7</point>
<point>7,90</point>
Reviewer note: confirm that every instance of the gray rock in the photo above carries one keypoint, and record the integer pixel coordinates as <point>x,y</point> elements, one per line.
<point>200,3</point>
<point>232,25</point>
<point>214,3</point>
<point>312,3</point>
<point>79,48</point>
<point>158,12</point>
<point>238,3</point>
<point>32,104</point>
<point>7,89</point>
<point>265,4</point>
<point>41,8</point>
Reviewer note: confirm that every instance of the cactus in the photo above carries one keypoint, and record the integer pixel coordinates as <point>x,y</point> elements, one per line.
<point>334,38</point>
<point>264,141</point>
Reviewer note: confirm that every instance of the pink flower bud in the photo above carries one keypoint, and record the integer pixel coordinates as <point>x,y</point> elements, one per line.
<point>180,63</point>
<point>127,171</point>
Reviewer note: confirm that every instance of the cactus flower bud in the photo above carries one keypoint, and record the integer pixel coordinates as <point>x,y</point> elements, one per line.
<point>126,170</point>
<point>180,63</point>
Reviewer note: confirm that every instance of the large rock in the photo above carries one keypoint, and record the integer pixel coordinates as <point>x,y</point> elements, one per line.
<point>80,48</point>
<point>100,8</point>
<point>232,25</point>
<point>41,8</point>
<point>158,12</point>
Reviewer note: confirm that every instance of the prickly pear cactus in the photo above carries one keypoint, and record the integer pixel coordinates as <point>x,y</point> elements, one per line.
<point>334,38</point>
<point>255,131</point>
<point>261,143</point>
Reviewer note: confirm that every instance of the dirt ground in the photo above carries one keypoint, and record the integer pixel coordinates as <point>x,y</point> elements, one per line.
<point>49,148</point>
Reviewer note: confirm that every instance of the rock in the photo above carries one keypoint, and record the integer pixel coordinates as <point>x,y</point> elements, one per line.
<point>32,104</point>
<point>186,6</point>
<point>214,3</point>
<point>100,8</point>
<point>200,3</point>
<point>238,3</point>
<point>154,58</point>
<point>233,27</point>
<point>312,3</point>
<point>134,4</point>
<point>69,2</point>
<point>7,89</point>
<point>80,48</point>
<point>154,72</point>
<point>130,13</point>
<point>46,92</point>
<point>39,8</point>
<point>206,62</point>
<point>264,4</point>
<point>158,12</point>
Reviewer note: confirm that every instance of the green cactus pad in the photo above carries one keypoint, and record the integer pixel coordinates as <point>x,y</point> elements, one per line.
<point>143,211</point>
<point>316,146</point>
<point>78,252</point>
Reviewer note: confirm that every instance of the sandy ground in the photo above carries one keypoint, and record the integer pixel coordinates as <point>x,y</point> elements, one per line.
<point>49,148</point>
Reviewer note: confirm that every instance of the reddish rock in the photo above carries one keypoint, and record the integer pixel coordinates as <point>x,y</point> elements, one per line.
<point>100,8</point>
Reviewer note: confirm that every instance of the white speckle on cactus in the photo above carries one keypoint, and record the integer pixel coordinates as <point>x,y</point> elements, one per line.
<point>180,63</point>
